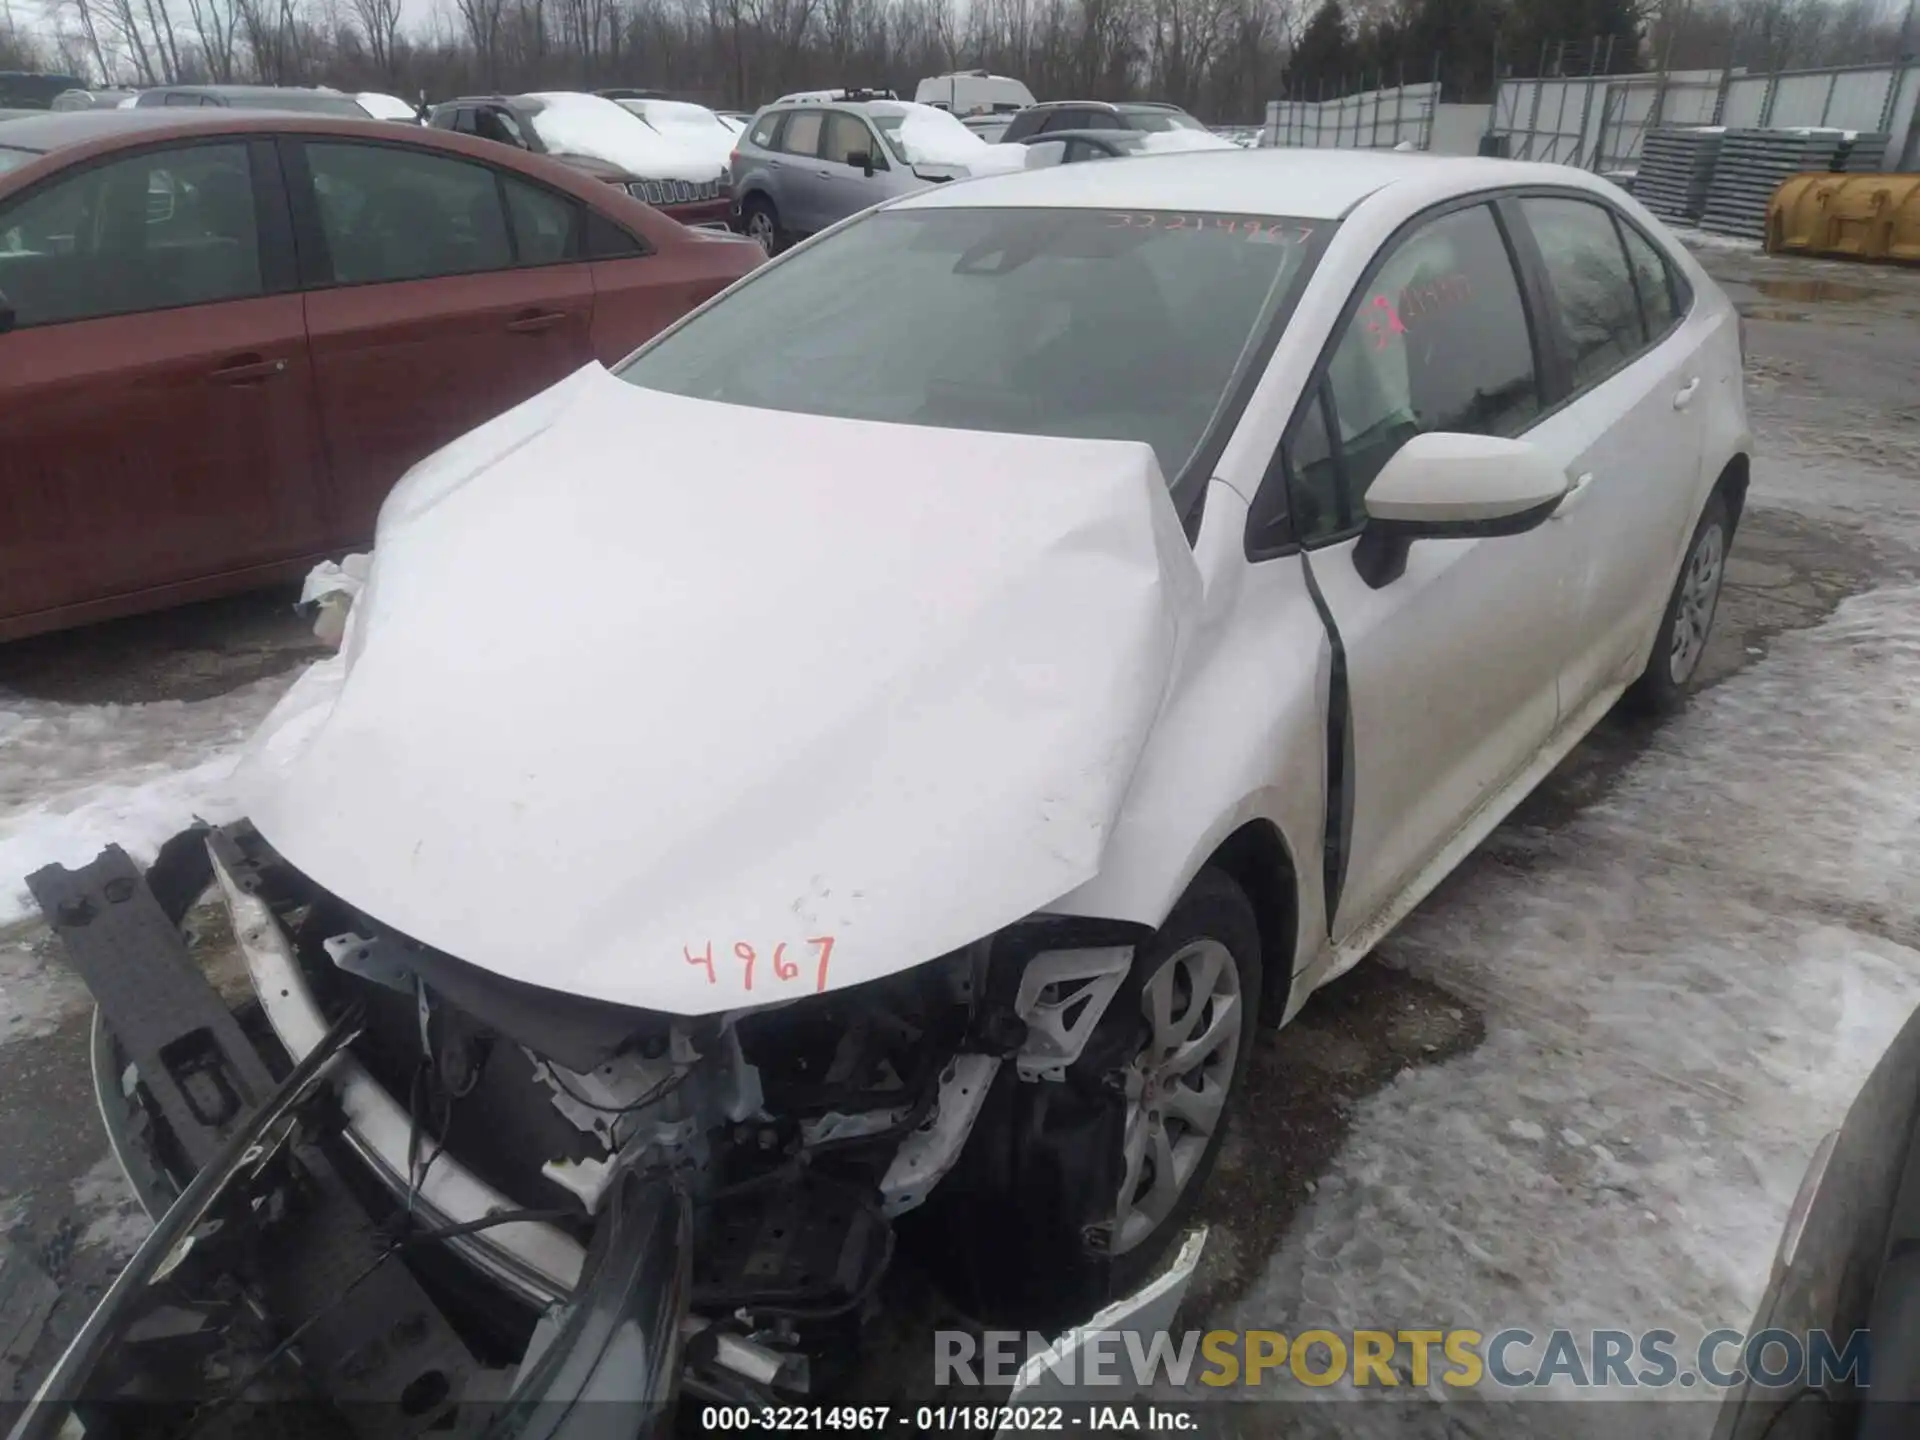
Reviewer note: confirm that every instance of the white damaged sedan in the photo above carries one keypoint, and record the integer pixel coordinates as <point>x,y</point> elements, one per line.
<point>869,765</point>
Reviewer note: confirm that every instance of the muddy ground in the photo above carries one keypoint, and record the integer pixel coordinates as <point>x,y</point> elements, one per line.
<point>1834,362</point>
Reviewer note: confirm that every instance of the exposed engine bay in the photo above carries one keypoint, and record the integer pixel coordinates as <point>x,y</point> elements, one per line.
<point>395,1176</point>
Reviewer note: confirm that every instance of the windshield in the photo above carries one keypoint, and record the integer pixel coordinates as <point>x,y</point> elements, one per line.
<point>12,159</point>
<point>1162,120</point>
<point>1076,323</point>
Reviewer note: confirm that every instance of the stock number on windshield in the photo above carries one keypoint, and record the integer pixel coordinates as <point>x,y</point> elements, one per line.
<point>769,968</point>
<point>1262,230</point>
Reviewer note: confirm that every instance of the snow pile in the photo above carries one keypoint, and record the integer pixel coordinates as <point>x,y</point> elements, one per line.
<point>77,778</point>
<point>1684,987</point>
<point>932,138</point>
<point>693,128</point>
<point>385,107</point>
<point>599,129</point>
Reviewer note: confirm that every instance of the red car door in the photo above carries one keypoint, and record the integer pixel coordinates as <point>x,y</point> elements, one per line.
<point>641,288</point>
<point>157,434</point>
<point>442,291</point>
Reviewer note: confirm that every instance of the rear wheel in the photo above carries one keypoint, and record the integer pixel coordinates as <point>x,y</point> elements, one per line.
<point>761,222</point>
<point>1681,641</point>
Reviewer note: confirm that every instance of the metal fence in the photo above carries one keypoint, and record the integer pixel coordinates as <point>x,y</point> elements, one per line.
<point>1601,121</point>
<point>1371,120</point>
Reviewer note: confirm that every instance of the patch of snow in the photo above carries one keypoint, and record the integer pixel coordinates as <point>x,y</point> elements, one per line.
<point>1710,959</point>
<point>39,993</point>
<point>108,1210</point>
<point>600,129</point>
<point>926,137</point>
<point>385,107</point>
<point>1161,141</point>
<point>76,778</point>
<point>694,128</point>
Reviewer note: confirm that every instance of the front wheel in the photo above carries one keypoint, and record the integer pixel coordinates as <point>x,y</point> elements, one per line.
<point>761,222</point>
<point>1069,1193</point>
<point>1681,642</point>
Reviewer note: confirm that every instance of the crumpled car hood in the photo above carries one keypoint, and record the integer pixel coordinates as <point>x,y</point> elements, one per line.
<point>693,707</point>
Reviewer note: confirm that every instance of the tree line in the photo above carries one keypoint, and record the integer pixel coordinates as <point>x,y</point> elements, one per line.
<point>1221,59</point>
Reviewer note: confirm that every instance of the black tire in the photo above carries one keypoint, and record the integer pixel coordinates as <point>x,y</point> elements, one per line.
<point>1214,907</point>
<point>1674,666</point>
<point>1023,1231</point>
<point>760,221</point>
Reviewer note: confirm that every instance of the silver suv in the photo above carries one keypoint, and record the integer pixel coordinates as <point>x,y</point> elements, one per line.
<point>803,164</point>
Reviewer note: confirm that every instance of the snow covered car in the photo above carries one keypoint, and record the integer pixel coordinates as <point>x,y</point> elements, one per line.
<point>1130,589</point>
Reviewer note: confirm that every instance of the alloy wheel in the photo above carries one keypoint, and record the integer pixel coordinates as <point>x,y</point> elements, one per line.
<point>1177,1086</point>
<point>1699,595</point>
<point>760,229</point>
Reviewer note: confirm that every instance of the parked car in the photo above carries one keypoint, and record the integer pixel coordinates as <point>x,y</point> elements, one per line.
<point>32,90</point>
<point>1063,147</point>
<point>205,386</point>
<point>990,128</point>
<point>1124,596</point>
<point>620,92</point>
<point>804,164</point>
<point>1067,147</point>
<point>1144,115</point>
<point>597,137</point>
<point>291,98</point>
<point>108,99</point>
<point>973,92</point>
<point>387,107</point>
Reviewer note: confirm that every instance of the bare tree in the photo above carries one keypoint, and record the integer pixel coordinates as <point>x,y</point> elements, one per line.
<point>379,26</point>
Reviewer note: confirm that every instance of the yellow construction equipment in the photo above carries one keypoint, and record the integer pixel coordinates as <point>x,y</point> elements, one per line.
<point>1863,217</point>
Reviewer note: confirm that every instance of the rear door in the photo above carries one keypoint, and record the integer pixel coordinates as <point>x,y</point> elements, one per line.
<point>444,291</point>
<point>1451,670</point>
<point>157,420</point>
<point>1631,420</point>
<point>801,187</point>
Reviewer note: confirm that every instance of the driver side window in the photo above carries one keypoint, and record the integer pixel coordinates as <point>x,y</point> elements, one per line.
<point>1437,339</point>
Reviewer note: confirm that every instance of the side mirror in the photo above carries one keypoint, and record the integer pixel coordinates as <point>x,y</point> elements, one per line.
<point>8,319</point>
<point>862,158</point>
<point>1443,486</point>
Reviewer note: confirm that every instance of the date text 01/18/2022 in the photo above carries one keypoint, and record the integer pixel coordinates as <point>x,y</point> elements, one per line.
<point>877,1419</point>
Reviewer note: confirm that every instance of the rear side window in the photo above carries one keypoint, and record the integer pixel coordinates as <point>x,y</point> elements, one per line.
<point>1653,281</point>
<point>1438,339</point>
<point>393,214</point>
<point>177,99</point>
<point>546,226</point>
<point>154,232</point>
<point>802,135</point>
<point>1593,292</point>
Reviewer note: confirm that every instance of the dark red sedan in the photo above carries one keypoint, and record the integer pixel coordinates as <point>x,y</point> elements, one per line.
<point>224,335</point>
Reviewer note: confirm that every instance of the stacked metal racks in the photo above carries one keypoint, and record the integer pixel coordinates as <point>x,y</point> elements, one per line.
<point>1676,167</point>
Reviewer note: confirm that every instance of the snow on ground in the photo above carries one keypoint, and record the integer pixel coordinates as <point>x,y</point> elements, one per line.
<point>1684,986</point>
<point>75,778</point>
<point>108,1212</point>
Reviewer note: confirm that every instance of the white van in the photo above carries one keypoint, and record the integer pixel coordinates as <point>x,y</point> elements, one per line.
<point>973,92</point>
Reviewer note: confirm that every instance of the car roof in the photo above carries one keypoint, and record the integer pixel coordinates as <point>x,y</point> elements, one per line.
<point>50,130</point>
<point>1307,184</point>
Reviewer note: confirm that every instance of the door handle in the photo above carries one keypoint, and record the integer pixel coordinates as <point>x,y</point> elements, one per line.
<point>1683,397</point>
<point>246,369</point>
<point>533,324</point>
<point>1576,492</point>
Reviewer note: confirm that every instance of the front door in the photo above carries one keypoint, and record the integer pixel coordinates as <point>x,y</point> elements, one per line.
<point>440,306</point>
<point>846,187</point>
<point>156,406</point>
<point>1632,425</point>
<point>1451,668</point>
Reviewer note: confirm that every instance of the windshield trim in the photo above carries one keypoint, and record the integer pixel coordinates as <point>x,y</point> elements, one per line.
<point>1189,487</point>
